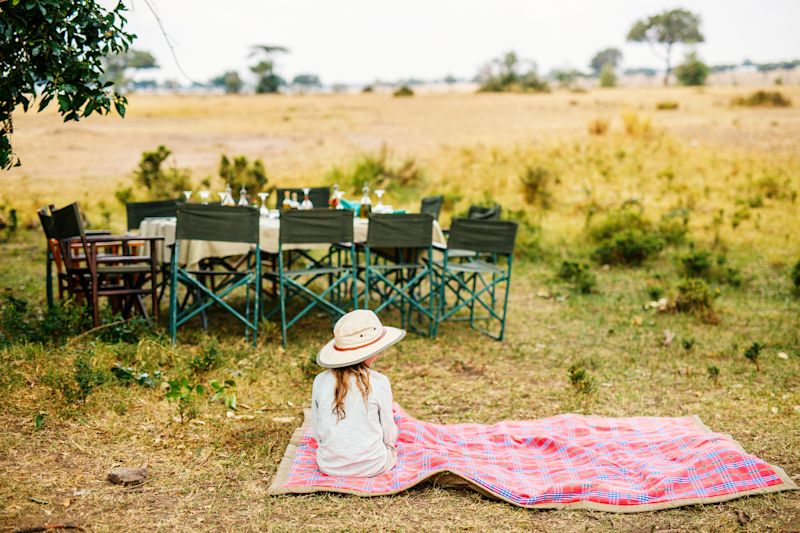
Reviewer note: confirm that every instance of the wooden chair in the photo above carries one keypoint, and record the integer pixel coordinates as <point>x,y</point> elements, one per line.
<point>93,269</point>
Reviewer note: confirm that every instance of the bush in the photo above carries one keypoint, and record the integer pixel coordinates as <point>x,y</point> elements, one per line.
<point>529,234</point>
<point>160,183</point>
<point>667,105</point>
<point>608,78</point>
<point>598,126</point>
<point>207,359</point>
<point>77,385</point>
<point>378,170</point>
<point>796,278</point>
<point>674,226</point>
<point>579,275</point>
<point>692,71</point>
<point>697,264</point>
<point>535,180</point>
<point>581,381</point>
<point>240,172</point>
<point>694,296</point>
<point>504,75</point>
<point>763,99</point>
<point>628,247</point>
<point>753,352</point>
<point>403,90</point>
<point>20,323</point>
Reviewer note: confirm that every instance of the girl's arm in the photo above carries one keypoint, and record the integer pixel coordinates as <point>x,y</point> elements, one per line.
<point>314,432</point>
<point>385,400</point>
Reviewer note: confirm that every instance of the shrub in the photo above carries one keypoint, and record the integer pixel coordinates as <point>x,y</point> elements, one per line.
<point>378,170</point>
<point>796,278</point>
<point>84,378</point>
<point>529,234</point>
<point>367,89</point>
<point>160,183</point>
<point>667,105</point>
<point>128,375</point>
<point>713,374</point>
<point>763,99</point>
<point>20,323</point>
<point>697,264</point>
<point>692,71</point>
<point>580,380</point>
<point>240,172</point>
<point>403,90</point>
<point>207,359</point>
<point>753,352</point>
<point>674,226</point>
<point>598,126</point>
<point>694,296</point>
<point>628,247</point>
<point>224,392</point>
<point>579,275</point>
<point>608,78</point>
<point>535,180</point>
<point>504,75</point>
<point>184,394</point>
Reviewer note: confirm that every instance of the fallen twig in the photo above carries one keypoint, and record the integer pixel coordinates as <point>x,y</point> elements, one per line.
<point>98,328</point>
<point>48,527</point>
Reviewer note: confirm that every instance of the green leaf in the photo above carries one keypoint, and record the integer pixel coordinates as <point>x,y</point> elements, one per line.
<point>120,108</point>
<point>38,422</point>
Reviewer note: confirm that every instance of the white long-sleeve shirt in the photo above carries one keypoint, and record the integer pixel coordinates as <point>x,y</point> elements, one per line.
<point>359,444</point>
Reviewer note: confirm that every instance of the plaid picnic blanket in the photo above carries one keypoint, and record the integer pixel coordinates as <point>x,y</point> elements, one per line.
<point>592,462</point>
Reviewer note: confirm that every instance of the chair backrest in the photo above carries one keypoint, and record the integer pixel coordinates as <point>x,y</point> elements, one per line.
<point>138,211</point>
<point>432,205</point>
<point>478,212</point>
<point>217,223</point>
<point>316,226</point>
<point>68,224</point>
<point>47,223</point>
<point>488,236</point>
<point>319,196</point>
<point>412,230</point>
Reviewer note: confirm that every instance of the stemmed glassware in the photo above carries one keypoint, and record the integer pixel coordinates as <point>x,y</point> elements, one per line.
<point>264,210</point>
<point>187,195</point>
<point>243,197</point>
<point>204,197</point>
<point>306,203</point>
<point>379,207</point>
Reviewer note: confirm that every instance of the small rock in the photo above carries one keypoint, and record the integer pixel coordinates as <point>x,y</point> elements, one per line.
<point>127,476</point>
<point>774,410</point>
<point>283,419</point>
<point>783,355</point>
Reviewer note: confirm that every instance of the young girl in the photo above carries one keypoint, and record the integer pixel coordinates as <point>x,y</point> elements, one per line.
<point>351,405</point>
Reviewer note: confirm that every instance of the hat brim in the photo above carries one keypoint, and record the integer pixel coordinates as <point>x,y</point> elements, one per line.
<point>330,357</point>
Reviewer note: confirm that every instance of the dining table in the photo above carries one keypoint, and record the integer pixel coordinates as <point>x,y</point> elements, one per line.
<point>191,252</point>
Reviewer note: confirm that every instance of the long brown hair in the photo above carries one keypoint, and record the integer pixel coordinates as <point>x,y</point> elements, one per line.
<point>342,375</point>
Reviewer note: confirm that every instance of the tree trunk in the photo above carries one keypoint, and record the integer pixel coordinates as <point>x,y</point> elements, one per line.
<point>669,65</point>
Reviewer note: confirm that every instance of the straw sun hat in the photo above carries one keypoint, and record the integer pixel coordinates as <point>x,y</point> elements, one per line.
<point>357,336</point>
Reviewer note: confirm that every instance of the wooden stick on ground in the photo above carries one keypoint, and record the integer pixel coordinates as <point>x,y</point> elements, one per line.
<point>48,527</point>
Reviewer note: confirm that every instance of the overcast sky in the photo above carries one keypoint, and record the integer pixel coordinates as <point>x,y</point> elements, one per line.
<point>358,41</point>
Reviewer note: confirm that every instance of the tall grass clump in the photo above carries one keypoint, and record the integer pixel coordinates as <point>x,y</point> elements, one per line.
<point>535,181</point>
<point>625,237</point>
<point>636,126</point>
<point>763,99</point>
<point>695,297</point>
<point>598,126</point>
<point>667,105</point>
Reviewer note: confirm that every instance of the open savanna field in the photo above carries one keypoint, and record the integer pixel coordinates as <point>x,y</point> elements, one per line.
<point>715,185</point>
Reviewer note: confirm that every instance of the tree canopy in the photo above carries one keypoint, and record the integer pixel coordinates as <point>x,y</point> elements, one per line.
<point>268,80</point>
<point>117,65</point>
<point>607,56</point>
<point>505,74</point>
<point>230,81</point>
<point>53,49</point>
<point>667,29</point>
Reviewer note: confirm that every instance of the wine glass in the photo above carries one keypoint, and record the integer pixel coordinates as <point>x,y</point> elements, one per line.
<point>306,204</point>
<point>223,198</point>
<point>204,197</point>
<point>264,211</point>
<point>187,195</point>
<point>243,197</point>
<point>379,207</point>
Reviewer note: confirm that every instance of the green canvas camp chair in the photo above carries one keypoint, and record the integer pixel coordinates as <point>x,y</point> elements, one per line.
<point>138,211</point>
<point>297,280</point>
<point>432,205</point>
<point>216,223</point>
<point>477,212</point>
<point>474,283</point>
<point>405,279</point>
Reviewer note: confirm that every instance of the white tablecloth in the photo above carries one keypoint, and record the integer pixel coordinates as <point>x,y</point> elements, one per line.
<point>191,252</point>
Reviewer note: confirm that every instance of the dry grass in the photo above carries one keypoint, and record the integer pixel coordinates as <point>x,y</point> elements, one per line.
<point>212,474</point>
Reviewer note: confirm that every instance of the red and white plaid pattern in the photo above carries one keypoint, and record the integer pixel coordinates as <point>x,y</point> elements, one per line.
<point>565,459</point>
